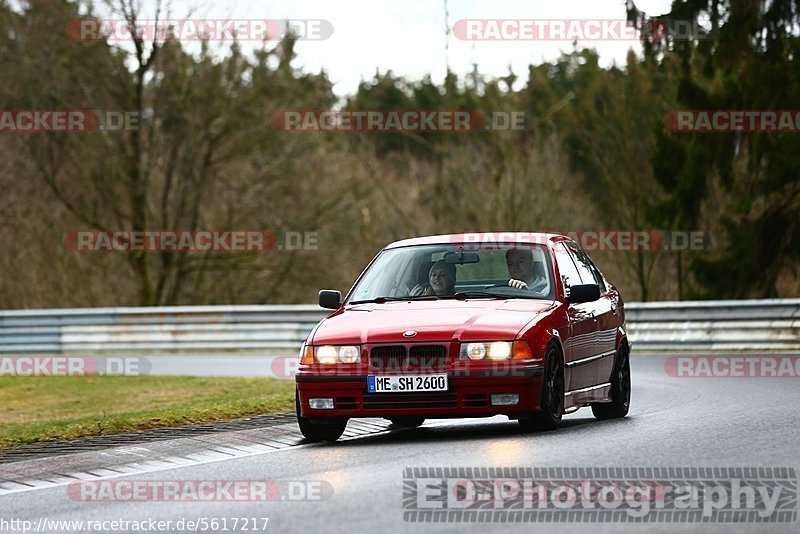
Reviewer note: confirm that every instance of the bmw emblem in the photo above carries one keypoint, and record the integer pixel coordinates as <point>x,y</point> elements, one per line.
<point>409,333</point>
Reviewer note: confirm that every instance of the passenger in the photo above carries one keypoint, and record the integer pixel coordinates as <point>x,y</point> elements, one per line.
<point>520,269</point>
<point>442,279</point>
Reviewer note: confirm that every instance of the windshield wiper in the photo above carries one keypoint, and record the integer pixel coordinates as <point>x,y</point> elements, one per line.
<point>381,300</point>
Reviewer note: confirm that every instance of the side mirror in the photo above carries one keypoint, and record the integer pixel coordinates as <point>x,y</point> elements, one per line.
<point>583,293</point>
<point>330,299</point>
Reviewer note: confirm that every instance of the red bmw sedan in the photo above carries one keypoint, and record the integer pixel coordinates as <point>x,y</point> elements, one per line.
<point>467,325</point>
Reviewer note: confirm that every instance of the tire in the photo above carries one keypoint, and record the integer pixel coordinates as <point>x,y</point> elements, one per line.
<point>406,422</point>
<point>620,388</point>
<point>316,432</point>
<point>552,401</point>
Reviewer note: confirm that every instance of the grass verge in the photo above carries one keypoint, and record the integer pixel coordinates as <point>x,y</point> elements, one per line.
<point>35,409</point>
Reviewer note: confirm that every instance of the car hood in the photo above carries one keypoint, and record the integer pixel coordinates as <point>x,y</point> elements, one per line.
<point>437,320</point>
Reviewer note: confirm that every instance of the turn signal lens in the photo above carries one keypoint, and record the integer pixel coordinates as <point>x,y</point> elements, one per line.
<point>307,355</point>
<point>521,350</point>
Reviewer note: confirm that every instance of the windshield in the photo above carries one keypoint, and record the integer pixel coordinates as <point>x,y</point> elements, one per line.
<point>431,272</point>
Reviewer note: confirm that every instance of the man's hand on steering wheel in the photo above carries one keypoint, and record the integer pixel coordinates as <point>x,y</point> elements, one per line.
<point>518,284</point>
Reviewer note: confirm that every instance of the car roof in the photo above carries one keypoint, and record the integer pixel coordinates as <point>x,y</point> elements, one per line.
<point>481,237</point>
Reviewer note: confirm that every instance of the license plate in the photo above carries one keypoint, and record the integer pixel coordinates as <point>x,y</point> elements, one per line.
<point>403,383</point>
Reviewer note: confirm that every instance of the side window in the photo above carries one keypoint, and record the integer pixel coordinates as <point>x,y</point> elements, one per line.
<point>566,268</point>
<point>586,268</point>
<point>597,275</point>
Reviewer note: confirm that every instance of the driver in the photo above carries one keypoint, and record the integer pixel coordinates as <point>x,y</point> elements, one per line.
<point>442,279</point>
<point>520,269</point>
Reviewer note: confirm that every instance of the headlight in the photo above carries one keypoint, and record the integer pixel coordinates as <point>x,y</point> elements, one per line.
<point>328,354</point>
<point>500,350</point>
<point>473,351</point>
<point>349,354</point>
<point>495,350</point>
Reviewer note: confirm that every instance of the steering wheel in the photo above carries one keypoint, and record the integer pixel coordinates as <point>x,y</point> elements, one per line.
<point>528,288</point>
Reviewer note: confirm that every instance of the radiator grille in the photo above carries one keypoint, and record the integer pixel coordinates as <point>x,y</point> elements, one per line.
<point>427,357</point>
<point>388,358</point>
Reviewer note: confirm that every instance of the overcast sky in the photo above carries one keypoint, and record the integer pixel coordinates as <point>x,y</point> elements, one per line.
<point>408,36</point>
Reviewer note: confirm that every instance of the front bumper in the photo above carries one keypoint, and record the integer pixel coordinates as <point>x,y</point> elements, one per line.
<point>468,395</point>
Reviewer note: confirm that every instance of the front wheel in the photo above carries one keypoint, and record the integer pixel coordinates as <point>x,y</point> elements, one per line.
<point>552,402</point>
<point>620,389</point>
<point>316,432</point>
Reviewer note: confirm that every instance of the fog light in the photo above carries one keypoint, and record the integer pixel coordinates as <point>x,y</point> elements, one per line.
<point>504,399</point>
<point>321,404</point>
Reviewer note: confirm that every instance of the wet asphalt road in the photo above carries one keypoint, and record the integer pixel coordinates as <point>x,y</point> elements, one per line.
<point>674,422</point>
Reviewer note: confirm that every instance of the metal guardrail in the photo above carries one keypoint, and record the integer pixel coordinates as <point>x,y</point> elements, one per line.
<point>715,325</point>
<point>769,325</point>
<point>270,329</point>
